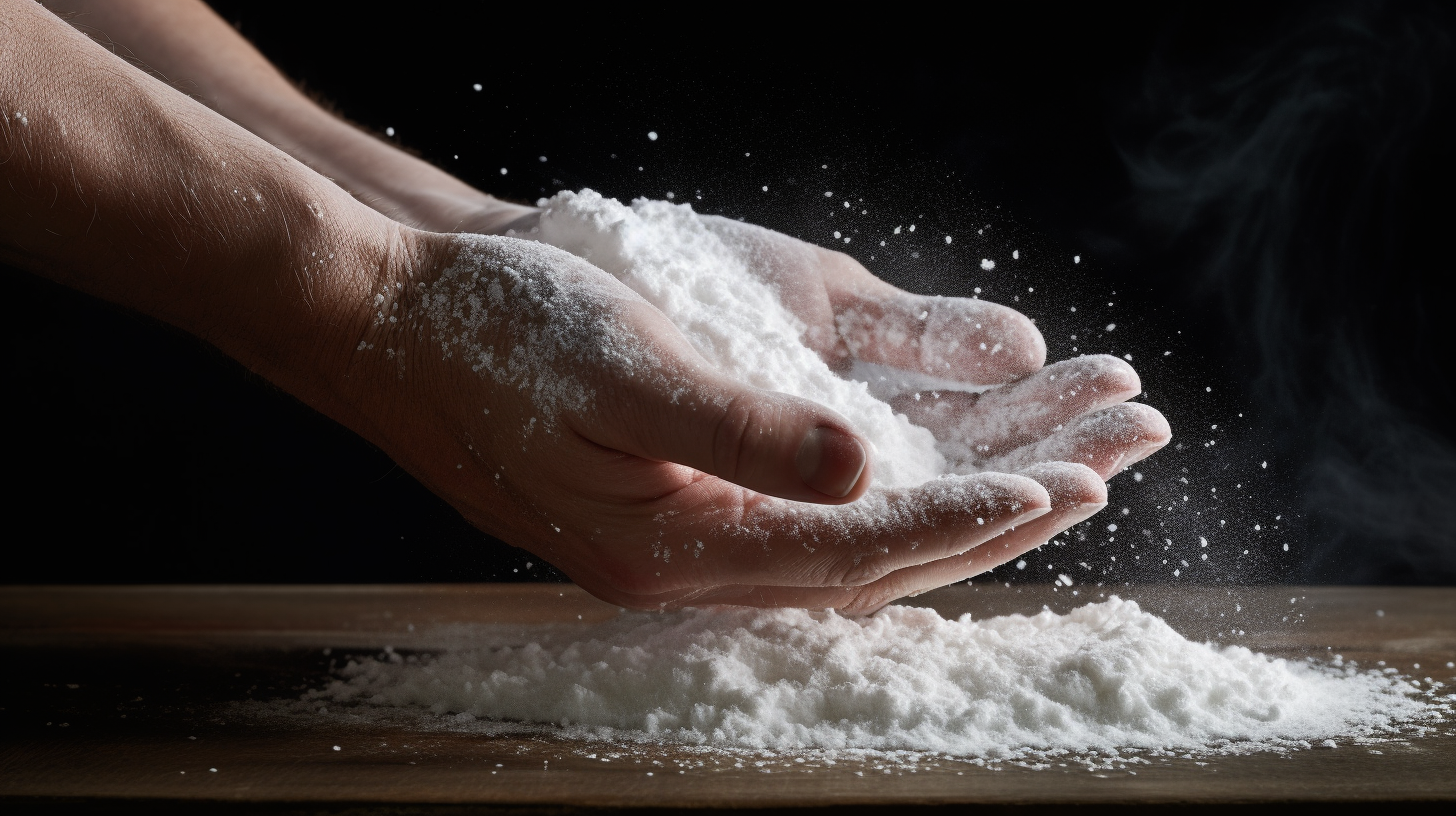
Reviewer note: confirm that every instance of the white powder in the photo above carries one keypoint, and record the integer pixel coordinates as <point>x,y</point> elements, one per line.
<point>1105,676</point>
<point>681,264</point>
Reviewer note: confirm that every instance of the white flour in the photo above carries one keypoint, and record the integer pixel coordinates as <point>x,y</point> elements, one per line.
<point>670,255</point>
<point>1104,676</point>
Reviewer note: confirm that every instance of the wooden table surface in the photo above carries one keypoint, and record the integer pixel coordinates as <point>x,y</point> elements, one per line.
<point>110,694</point>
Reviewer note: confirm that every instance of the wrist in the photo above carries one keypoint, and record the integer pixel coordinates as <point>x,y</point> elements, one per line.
<point>324,303</point>
<point>400,186</point>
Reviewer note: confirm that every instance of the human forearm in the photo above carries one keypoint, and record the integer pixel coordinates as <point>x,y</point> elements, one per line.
<point>188,43</point>
<point>115,184</point>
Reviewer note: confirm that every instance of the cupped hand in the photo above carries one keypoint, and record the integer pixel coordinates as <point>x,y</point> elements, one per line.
<point>1068,426</point>
<point>559,411</point>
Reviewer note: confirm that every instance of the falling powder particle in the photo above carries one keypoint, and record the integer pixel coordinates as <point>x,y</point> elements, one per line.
<point>988,264</point>
<point>652,135</point>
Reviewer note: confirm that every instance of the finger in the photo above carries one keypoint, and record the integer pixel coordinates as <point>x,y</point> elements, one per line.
<point>998,421</point>
<point>966,340</point>
<point>776,543</point>
<point>1106,441</point>
<point>768,442</point>
<point>796,270</point>
<point>1076,493</point>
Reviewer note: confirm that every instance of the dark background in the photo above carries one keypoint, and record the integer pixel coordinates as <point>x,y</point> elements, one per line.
<point>1260,197</point>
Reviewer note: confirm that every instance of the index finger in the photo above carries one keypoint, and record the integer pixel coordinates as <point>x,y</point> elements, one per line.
<point>968,340</point>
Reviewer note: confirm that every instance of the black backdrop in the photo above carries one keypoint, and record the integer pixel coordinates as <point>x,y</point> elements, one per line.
<point>1259,199</point>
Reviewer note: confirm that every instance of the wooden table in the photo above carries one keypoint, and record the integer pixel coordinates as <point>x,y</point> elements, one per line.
<point>112,693</point>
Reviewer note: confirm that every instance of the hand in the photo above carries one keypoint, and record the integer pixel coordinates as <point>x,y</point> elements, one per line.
<point>583,473</point>
<point>1035,423</point>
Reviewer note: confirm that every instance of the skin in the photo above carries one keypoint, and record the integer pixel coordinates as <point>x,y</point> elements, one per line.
<point>673,484</point>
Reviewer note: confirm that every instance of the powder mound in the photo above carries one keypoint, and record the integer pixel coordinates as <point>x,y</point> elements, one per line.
<point>1105,676</point>
<point>672,257</point>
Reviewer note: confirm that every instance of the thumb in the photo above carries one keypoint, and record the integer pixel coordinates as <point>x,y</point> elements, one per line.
<point>765,441</point>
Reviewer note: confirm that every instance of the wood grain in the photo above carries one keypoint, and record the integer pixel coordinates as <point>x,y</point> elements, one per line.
<point>111,693</point>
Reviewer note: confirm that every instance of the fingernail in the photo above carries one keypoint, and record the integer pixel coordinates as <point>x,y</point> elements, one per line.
<point>831,461</point>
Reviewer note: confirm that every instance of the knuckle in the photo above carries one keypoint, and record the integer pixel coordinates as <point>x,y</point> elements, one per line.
<point>857,569</point>
<point>841,262</point>
<point>732,438</point>
<point>865,600</point>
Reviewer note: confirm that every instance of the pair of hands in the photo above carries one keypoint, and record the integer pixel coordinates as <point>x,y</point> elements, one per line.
<point>674,484</point>
<point>679,486</point>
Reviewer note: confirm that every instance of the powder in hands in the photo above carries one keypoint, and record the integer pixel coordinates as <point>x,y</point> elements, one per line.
<point>1107,675</point>
<point>674,259</point>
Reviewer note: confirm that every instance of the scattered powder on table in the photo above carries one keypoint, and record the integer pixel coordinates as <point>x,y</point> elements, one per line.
<point>1104,676</point>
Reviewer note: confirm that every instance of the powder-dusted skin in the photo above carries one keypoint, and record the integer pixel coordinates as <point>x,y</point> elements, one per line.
<point>553,305</point>
<point>674,259</point>
<point>1106,675</point>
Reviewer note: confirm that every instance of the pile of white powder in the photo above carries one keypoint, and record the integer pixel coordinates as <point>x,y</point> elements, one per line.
<point>1104,676</point>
